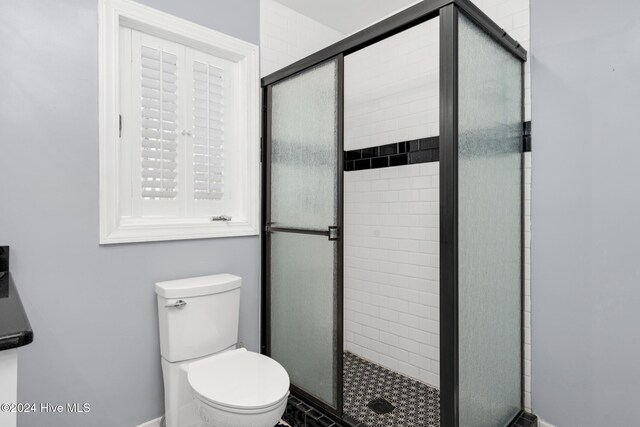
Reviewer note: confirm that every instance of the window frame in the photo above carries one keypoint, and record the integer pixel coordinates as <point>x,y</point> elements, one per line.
<point>115,14</point>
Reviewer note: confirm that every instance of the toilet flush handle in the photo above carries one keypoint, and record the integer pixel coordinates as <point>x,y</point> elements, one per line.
<point>178,304</point>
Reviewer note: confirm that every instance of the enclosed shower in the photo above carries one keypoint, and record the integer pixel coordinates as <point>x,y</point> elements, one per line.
<point>392,216</point>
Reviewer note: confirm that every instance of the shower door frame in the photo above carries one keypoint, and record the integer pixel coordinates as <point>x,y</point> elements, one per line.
<point>447,11</point>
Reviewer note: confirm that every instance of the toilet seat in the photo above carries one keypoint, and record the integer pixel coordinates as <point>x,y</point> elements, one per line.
<point>240,380</point>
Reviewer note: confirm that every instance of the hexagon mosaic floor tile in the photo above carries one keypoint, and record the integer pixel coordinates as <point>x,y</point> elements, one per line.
<point>415,404</point>
<point>368,390</point>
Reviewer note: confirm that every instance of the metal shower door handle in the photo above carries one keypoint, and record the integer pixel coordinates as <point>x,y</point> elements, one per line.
<point>334,232</point>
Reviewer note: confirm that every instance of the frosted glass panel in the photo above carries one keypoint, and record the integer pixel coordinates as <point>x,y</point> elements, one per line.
<point>304,149</point>
<point>303,328</point>
<point>489,203</point>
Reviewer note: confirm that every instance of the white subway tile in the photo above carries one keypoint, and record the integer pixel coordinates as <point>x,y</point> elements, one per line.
<point>419,361</point>
<point>388,314</point>
<point>430,351</point>
<point>421,336</point>
<point>397,328</point>
<point>409,320</point>
<point>398,354</point>
<point>389,339</point>
<point>388,362</point>
<point>408,370</point>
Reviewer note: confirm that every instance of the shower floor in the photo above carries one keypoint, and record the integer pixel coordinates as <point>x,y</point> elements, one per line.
<point>415,404</point>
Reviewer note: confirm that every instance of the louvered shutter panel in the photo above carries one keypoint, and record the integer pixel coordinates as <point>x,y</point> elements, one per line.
<point>159,123</point>
<point>209,131</point>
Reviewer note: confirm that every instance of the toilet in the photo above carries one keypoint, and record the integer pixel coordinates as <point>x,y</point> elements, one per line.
<point>208,381</point>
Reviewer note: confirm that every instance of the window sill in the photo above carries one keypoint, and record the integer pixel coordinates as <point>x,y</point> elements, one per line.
<point>152,231</point>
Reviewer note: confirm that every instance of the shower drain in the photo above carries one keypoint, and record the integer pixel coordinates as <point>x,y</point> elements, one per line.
<point>380,405</point>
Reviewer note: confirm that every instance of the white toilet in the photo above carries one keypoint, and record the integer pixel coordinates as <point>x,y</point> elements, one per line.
<point>207,381</point>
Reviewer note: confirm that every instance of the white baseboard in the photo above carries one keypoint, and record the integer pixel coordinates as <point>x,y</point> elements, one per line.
<point>542,423</point>
<point>152,423</point>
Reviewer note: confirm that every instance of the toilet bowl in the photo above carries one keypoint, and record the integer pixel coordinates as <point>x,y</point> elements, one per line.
<point>239,388</point>
<point>207,381</point>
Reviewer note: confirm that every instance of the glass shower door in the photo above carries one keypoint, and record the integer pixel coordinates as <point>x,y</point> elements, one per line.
<point>304,216</point>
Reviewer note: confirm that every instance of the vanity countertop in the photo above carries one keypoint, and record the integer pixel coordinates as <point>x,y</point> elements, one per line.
<point>15,329</point>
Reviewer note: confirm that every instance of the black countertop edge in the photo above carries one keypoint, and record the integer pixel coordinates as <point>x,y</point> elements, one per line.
<point>15,329</point>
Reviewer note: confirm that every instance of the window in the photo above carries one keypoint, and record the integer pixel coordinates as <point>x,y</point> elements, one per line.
<point>179,128</point>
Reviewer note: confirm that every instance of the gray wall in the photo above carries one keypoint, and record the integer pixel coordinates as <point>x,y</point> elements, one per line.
<point>586,212</point>
<point>92,308</point>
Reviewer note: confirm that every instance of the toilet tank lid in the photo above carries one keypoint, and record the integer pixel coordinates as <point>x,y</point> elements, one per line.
<point>198,286</point>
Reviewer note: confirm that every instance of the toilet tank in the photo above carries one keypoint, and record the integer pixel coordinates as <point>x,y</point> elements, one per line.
<point>198,316</point>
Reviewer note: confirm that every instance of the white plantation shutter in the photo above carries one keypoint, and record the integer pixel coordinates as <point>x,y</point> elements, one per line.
<point>179,128</point>
<point>159,123</point>
<point>208,131</point>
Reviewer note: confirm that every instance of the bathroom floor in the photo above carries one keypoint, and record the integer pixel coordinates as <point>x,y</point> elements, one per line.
<point>414,403</point>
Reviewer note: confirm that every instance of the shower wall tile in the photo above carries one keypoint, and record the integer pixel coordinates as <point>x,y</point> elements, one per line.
<point>287,36</point>
<point>391,216</point>
<point>391,268</point>
<point>391,90</point>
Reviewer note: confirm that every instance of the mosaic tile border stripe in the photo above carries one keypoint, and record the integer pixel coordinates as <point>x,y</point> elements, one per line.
<point>398,154</point>
<point>422,150</point>
<point>527,136</point>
